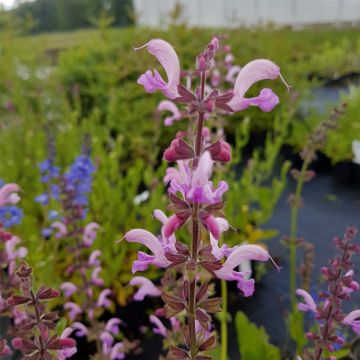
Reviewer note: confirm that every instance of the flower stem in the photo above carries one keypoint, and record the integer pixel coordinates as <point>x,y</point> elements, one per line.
<point>224,321</point>
<point>293,244</point>
<point>195,231</point>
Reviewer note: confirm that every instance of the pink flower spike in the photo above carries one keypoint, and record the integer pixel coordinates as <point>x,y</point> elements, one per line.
<point>112,326</point>
<point>353,319</point>
<point>8,194</point>
<point>80,330</point>
<point>159,328</point>
<point>68,288</point>
<point>61,229</point>
<point>168,58</point>
<point>251,73</point>
<point>152,243</point>
<point>167,105</point>
<point>146,288</point>
<point>309,304</point>
<point>240,254</point>
<point>103,301</point>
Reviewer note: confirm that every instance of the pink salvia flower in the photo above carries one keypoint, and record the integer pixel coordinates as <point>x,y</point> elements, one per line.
<point>117,352</point>
<point>95,278</point>
<point>152,243</point>
<point>8,194</point>
<point>167,57</point>
<point>68,350</point>
<point>159,328</point>
<point>61,229</point>
<point>93,258</point>
<point>240,254</point>
<point>167,105</point>
<point>232,74</point>
<point>112,326</point>
<point>309,303</point>
<point>74,310</point>
<point>90,233</point>
<point>251,73</point>
<point>80,330</point>
<point>68,288</point>
<point>146,288</point>
<point>103,300</point>
<point>11,252</point>
<point>353,319</point>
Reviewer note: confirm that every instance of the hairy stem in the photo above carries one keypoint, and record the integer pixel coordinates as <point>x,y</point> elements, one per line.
<point>224,321</point>
<point>195,231</point>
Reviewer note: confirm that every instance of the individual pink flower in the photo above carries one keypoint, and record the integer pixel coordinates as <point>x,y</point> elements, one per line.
<point>112,326</point>
<point>8,194</point>
<point>61,229</point>
<point>251,73</point>
<point>153,244</point>
<point>68,288</point>
<point>13,253</point>
<point>80,330</point>
<point>240,254</point>
<point>93,258</point>
<point>168,242</point>
<point>95,278</point>
<point>117,352</point>
<point>90,233</point>
<point>68,350</point>
<point>103,300</point>
<point>308,304</point>
<point>74,310</point>
<point>232,74</point>
<point>159,328</point>
<point>4,348</point>
<point>167,57</point>
<point>353,320</point>
<point>167,105</point>
<point>146,288</point>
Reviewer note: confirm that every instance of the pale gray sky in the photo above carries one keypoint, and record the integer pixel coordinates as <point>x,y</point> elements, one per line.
<point>7,3</point>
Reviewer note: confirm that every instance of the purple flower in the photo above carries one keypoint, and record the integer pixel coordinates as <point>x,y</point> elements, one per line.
<point>80,330</point>
<point>152,243</point>
<point>95,278</point>
<point>61,229</point>
<point>159,328</point>
<point>66,352</point>
<point>90,233</point>
<point>309,303</point>
<point>10,215</point>
<point>74,310</point>
<point>68,288</point>
<point>167,57</point>
<point>93,258</point>
<point>353,319</point>
<point>112,326</point>
<point>240,254</point>
<point>11,252</point>
<point>103,301</point>
<point>146,288</point>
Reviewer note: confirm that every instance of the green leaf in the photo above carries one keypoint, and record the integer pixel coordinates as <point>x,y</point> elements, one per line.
<point>253,341</point>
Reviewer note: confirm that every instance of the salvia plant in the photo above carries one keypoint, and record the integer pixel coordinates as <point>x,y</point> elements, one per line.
<point>196,202</point>
<point>87,296</point>
<point>34,334</point>
<point>328,311</point>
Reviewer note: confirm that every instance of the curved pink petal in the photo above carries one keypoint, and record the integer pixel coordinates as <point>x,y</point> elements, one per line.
<point>159,326</point>
<point>168,58</point>
<point>61,229</point>
<point>146,288</point>
<point>167,105</point>
<point>353,319</point>
<point>309,304</point>
<point>8,194</point>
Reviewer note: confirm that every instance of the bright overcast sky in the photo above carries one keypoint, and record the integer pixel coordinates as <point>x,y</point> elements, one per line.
<point>7,3</point>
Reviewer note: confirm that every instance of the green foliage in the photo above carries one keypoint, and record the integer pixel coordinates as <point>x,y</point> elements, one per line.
<point>253,341</point>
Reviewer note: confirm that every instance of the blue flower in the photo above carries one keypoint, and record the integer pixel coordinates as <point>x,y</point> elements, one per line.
<point>79,179</point>
<point>48,171</point>
<point>10,215</point>
<point>42,199</point>
<point>46,232</point>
